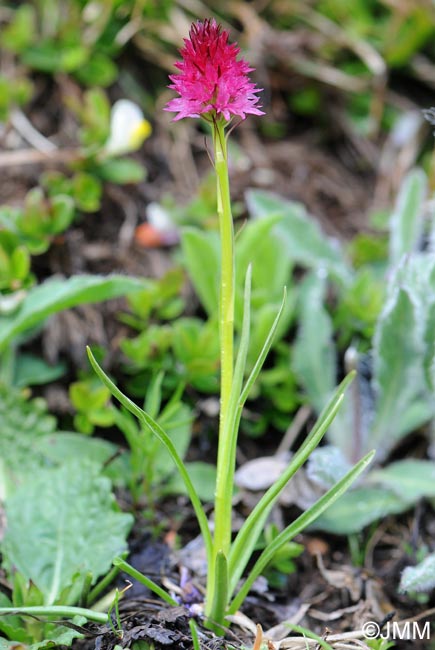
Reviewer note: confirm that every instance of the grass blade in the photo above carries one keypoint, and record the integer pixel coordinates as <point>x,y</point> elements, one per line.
<point>242,353</point>
<point>263,354</point>
<point>165,440</point>
<point>220,595</point>
<point>121,564</point>
<point>304,520</point>
<point>194,632</point>
<point>247,537</point>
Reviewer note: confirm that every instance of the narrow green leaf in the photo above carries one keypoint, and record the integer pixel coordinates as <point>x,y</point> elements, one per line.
<point>231,425</point>
<point>58,294</point>
<point>245,541</point>
<point>194,632</point>
<point>263,316</point>
<point>220,596</point>
<point>165,440</point>
<point>304,520</point>
<point>263,354</point>
<point>121,564</point>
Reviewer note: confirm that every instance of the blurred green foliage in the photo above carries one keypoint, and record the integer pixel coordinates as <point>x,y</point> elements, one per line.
<point>13,92</point>
<point>74,37</point>
<point>147,469</point>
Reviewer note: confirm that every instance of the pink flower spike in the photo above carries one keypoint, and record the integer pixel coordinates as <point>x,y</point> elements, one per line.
<point>212,82</point>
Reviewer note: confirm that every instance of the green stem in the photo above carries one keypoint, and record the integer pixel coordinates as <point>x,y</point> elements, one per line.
<point>105,582</point>
<point>58,611</point>
<point>226,307</point>
<point>226,457</point>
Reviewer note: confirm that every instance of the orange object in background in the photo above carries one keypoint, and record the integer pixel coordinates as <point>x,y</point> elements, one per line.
<point>148,236</point>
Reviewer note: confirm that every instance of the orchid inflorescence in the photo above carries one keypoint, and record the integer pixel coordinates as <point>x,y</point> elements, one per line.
<point>213,83</point>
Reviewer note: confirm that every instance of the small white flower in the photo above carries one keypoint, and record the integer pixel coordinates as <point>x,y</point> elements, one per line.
<point>128,128</point>
<point>158,217</point>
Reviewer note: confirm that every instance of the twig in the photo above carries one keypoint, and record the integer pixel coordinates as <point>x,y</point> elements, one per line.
<point>27,131</point>
<point>127,230</point>
<point>18,157</point>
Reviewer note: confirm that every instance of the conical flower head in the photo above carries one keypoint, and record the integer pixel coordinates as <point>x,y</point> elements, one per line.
<point>212,81</point>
